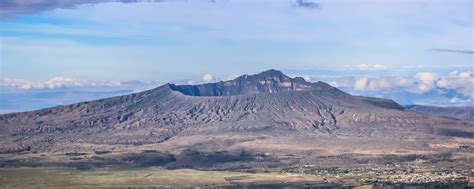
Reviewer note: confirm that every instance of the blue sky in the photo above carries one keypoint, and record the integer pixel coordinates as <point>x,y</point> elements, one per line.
<point>104,42</point>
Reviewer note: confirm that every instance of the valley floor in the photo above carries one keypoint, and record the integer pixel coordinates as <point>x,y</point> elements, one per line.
<point>156,177</point>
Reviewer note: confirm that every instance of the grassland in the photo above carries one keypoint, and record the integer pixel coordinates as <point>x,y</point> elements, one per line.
<point>140,177</point>
<point>156,177</point>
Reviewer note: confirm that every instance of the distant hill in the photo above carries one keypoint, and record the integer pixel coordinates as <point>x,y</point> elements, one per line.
<point>462,113</point>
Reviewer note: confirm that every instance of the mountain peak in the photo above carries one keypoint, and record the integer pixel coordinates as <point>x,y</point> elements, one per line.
<point>272,72</point>
<point>270,81</point>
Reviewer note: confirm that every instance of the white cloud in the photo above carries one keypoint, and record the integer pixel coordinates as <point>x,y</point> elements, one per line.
<point>369,66</point>
<point>403,82</point>
<point>343,82</point>
<point>20,83</point>
<point>443,83</point>
<point>307,78</point>
<point>361,84</point>
<point>412,67</point>
<point>207,78</point>
<point>191,82</point>
<point>379,84</point>
<point>461,82</point>
<point>366,84</point>
<point>426,77</point>
<point>457,100</point>
<point>452,89</point>
<point>60,82</point>
<point>379,66</point>
<point>465,75</point>
<point>457,83</point>
<point>363,66</point>
<point>55,83</point>
<point>421,88</point>
<point>425,81</point>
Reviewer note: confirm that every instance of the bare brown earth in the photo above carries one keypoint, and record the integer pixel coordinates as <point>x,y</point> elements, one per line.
<point>257,121</point>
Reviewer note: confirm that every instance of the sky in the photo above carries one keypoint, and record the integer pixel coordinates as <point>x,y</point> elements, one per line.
<point>414,51</point>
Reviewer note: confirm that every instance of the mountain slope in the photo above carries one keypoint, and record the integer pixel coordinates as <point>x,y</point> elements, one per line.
<point>266,112</point>
<point>462,113</point>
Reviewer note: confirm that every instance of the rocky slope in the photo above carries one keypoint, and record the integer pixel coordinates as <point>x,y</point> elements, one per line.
<point>462,113</point>
<point>266,112</point>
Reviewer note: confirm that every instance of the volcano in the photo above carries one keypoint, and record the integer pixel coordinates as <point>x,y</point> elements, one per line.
<point>268,113</point>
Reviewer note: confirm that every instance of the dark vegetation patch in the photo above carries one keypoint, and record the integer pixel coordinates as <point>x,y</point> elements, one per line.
<point>75,154</point>
<point>456,133</point>
<point>147,159</point>
<point>150,151</point>
<point>443,156</point>
<point>224,160</point>
<point>101,152</point>
<point>245,161</point>
<point>218,160</point>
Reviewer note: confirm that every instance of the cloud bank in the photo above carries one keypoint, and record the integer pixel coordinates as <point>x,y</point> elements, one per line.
<point>457,86</point>
<point>55,83</point>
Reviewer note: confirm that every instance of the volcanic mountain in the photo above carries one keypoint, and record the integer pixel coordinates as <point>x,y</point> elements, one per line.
<point>268,112</point>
